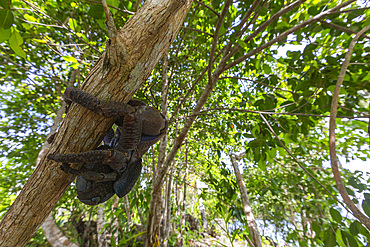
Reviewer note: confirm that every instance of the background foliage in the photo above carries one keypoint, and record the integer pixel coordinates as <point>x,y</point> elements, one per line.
<point>290,83</point>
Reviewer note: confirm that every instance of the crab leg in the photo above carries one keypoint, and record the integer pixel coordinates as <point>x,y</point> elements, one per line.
<point>128,179</point>
<point>114,158</point>
<point>107,109</point>
<point>89,175</point>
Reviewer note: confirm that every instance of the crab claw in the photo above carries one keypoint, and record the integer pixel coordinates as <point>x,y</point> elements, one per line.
<point>67,92</point>
<point>51,157</point>
<point>65,167</point>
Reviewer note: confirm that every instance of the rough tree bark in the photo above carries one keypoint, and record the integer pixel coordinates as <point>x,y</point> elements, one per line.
<point>253,230</point>
<point>130,57</point>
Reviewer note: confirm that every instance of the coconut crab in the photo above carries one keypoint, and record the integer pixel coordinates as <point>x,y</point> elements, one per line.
<point>115,166</point>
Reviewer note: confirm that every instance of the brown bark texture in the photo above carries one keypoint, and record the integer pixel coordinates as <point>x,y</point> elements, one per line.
<point>125,65</point>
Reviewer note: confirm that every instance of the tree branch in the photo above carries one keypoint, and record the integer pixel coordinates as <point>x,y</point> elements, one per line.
<point>110,6</point>
<point>197,30</point>
<point>109,23</point>
<point>264,25</point>
<point>341,28</point>
<point>279,113</point>
<point>286,33</point>
<point>215,35</point>
<point>333,155</point>
<point>214,11</point>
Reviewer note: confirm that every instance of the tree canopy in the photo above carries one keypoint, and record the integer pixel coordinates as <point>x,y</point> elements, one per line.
<point>254,79</point>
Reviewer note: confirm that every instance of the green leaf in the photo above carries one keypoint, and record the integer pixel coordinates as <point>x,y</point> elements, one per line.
<point>14,41</point>
<point>6,18</point>
<point>4,34</point>
<point>96,11</point>
<point>73,24</point>
<point>30,18</point>
<point>242,44</point>
<point>114,3</point>
<point>336,215</point>
<point>366,206</point>
<point>349,240</point>
<point>70,59</point>
<point>16,38</point>
<point>354,228</point>
<point>5,4</point>
<point>267,69</point>
<point>330,240</point>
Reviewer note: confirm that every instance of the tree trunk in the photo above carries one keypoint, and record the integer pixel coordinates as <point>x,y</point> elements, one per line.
<point>54,236</point>
<point>100,222</point>
<point>253,230</point>
<point>183,222</point>
<point>167,209</point>
<point>114,223</point>
<point>125,65</point>
<point>128,211</point>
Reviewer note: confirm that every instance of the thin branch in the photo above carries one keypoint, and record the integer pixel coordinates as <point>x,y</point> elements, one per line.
<point>197,30</point>
<point>251,222</point>
<point>258,82</point>
<point>187,95</point>
<point>274,17</point>
<point>110,6</point>
<point>350,10</point>
<point>109,23</point>
<point>214,11</point>
<point>286,33</point>
<point>280,113</point>
<point>359,63</point>
<point>341,28</point>
<point>40,24</point>
<point>247,16</point>
<point>332,124</point>
<point>265,24</point>
<point>215,35</point>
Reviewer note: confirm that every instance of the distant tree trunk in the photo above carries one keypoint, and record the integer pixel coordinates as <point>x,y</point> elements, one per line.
<point>167,209</point>
<point>253,230</point>
<point>140,213</point>
<point>54,236</point>
<point>126,204</point>
<point>162,154</point>
<point>100,222</point>
<point>126,64</point>
<point>115,223</point>
<point>203,217</point>
<point>154,219</point>
<point>183,221</point>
